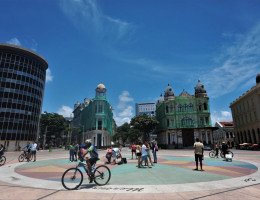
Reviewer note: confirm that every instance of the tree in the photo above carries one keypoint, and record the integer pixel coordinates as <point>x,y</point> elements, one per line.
<point>52,124</point>
<point>122,132</point>
<point>145,124</point>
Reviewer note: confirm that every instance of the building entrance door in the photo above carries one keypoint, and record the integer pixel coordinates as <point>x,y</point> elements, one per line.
<point>99,138</point>
<point>187,137</point>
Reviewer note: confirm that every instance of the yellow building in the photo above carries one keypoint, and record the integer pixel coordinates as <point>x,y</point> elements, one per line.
<point>246,115</point>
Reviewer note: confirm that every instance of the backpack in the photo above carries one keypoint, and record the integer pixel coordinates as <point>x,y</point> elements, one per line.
<point>124,160</point>
<point>156,147</point>
<point>120,162</point>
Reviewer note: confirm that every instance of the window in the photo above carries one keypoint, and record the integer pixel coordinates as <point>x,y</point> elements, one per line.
<point>100,124</point>
<point>167,109</point>
<point>205,106</point>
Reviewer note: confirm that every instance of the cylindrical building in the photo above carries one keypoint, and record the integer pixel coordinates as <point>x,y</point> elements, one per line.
<point>22,81</point>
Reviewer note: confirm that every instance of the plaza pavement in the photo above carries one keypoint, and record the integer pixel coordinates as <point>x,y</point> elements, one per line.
<point>171,178</point>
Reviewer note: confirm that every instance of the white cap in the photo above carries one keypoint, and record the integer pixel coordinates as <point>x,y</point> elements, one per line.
<point>88,141</point>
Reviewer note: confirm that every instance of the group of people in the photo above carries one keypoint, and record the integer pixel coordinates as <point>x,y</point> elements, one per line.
<point>30,150</point>
<point>113,154</point>
<point>73,152</point>
<point>142,153</point>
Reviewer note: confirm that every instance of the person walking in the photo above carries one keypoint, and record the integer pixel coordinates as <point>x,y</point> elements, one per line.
<point>216,150</point>
<point>148,153</point>
<point>145,155</point>
<point>71,152</point>
<point>224,149</point>
<point>33,150</point>
<point>138,154</point>
<point>154,151</point>
<point>76,151</point>
<point>133,150</point>
<point>198,151</point>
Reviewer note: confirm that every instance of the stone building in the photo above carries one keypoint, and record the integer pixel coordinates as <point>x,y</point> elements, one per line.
<point>224,133</point>
<point>246,115</point>
<point>183,118</point>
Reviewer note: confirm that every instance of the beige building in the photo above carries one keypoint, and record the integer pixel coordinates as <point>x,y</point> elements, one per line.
<point>224,133</point>
<point>246,115</point>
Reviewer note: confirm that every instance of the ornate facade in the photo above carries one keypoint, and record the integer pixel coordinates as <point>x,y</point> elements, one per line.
<point>246,115</point>
<point>183,118</point>
<point>95,117</point>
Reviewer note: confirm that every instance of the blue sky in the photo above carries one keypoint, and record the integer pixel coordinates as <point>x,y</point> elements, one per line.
<point>137,47</point>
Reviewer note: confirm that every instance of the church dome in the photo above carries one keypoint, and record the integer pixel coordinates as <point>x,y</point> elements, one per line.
<point>101,86</point>
<point>199,89</point>
<point>257,78</point>
<point>168,93</point>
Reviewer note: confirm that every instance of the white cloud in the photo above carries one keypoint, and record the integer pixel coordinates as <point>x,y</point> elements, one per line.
<point>124,111</point>
<point>88,16</point>
<point>240,64</point>
<point>219,116</point>
<point>49,76</point>
<point>14,41</point>
<point>66,111</point>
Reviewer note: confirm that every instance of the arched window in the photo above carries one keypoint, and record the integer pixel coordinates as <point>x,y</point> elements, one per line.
<point>186,121</point>
<point>180,108</point>
<point>167,109</point>
<point>190,107</point>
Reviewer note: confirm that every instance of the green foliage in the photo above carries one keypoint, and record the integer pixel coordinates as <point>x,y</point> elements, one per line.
<point>52,124</point>
<point>145,124</point>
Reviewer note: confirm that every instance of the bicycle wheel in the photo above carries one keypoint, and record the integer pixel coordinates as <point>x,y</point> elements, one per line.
<point>21,158</point>
<point>230,152</point>
<point>102,175</point>
<point>221,155</point>
<point>2,160</point>
<point>212,154</point>
<point>72,178</point>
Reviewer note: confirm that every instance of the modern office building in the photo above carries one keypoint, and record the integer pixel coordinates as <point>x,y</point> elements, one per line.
<point>246,115</point>
<point>145,108</point>
<point>183,118</point>
<point>22,81</point>
<point>224,133</point>
<point>96,118</point>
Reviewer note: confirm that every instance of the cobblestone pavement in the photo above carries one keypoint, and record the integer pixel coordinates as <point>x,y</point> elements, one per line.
<point>171,178</point>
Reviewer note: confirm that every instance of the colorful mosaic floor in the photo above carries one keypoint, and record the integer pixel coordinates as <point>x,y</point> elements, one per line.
<point>169,170</point>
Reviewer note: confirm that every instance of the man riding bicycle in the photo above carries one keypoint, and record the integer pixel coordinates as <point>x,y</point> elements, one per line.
<point>91,149</point>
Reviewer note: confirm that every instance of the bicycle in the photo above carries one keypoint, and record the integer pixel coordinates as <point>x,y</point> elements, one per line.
<point>212,154</point>
<point>25,155</point>
<point>72,178</point>
<point>2,160</point>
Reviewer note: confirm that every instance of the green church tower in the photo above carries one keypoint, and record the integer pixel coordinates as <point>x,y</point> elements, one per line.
<point>183,118</point>
<point>96,119</point>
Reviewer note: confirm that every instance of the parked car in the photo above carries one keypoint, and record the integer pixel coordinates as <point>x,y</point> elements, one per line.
<point>254,147</point>
<point>207,148</point>
<point>245,146</point>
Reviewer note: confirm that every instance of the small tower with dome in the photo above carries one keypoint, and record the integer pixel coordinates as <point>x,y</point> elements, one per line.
<point>200,90</point>
<point>101,91</point>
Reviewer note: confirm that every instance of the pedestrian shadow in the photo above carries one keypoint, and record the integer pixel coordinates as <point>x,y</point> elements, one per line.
<point>87,186</point>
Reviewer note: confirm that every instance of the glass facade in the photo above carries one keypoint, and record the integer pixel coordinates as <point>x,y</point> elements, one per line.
<point>22,80</point>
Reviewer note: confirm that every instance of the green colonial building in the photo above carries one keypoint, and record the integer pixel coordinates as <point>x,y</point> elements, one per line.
<point>95,118</point>
<point>183,118</point>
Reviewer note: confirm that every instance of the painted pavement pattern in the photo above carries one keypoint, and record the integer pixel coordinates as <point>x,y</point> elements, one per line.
<point>171,174</point>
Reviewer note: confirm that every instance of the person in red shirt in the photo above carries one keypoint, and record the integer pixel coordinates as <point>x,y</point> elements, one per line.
<point>133,149</point>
